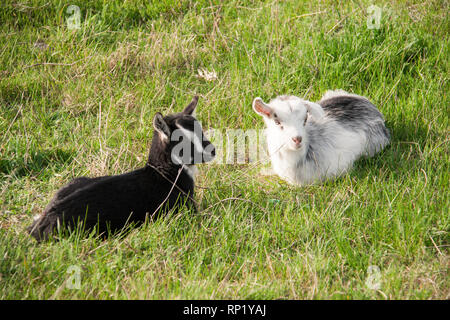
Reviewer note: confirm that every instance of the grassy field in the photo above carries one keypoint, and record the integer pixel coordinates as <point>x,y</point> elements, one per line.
<point>80,102</point>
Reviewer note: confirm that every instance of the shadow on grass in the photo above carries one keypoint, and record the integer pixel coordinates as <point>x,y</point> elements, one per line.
<point>401,155</point>
<point>25,165</point>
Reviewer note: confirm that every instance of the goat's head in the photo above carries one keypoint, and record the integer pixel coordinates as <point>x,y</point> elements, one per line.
<point>286,118</point>
<point>182,136</point>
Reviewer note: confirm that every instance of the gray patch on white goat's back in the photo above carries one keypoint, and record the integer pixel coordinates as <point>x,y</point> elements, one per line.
<point>358,114</point>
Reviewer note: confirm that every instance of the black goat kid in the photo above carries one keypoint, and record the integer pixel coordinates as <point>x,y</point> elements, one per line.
<point>165,183</point>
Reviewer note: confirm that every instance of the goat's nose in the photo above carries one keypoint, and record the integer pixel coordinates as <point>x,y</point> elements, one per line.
<point>213,152</point>
<point>297,140</point>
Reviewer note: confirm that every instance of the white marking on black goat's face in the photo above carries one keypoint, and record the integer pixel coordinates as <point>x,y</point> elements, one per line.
<point>192,146</point>
<point>181,135</point>
<point>189,143</point>
<point>286,118</point>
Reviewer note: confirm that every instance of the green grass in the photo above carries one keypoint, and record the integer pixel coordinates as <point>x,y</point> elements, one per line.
<point>83,103</point>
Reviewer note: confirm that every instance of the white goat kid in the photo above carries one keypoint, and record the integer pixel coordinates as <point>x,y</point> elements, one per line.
<point>309,142</point>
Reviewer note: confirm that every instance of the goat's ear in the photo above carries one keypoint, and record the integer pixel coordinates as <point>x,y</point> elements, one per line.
<point>315,110</point>
<point>191,107</point>
<point>161,126</point>
<point>261,108</point>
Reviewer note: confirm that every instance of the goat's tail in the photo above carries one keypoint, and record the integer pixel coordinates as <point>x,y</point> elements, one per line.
<point>42,227</point>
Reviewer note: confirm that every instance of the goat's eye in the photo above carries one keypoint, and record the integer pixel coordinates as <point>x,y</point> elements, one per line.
<point>278,123</point>
<point>306,118</point>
